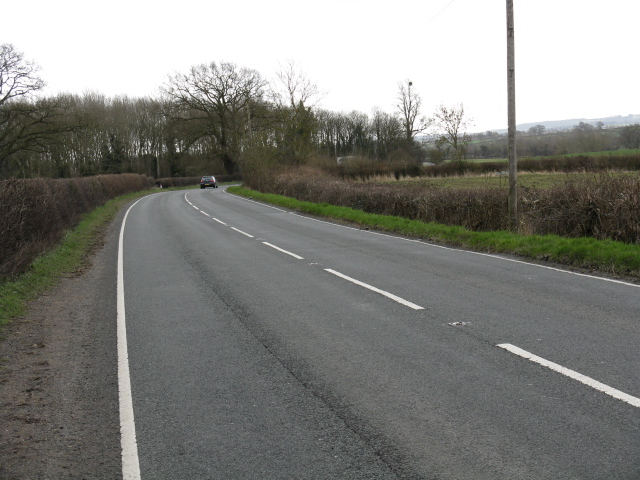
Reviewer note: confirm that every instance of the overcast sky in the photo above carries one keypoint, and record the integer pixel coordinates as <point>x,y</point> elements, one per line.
<point>574,58</point>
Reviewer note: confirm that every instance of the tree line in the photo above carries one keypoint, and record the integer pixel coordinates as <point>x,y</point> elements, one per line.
<point>538,141</point>
<point>222,118</point>
<point>217,117</point>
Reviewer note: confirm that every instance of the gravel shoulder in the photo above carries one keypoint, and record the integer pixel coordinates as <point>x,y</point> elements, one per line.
<point>58,379</point>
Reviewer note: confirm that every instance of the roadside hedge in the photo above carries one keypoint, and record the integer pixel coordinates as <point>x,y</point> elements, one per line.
<point>365,170</point>
<point>603,206</point>
<point>37,212</point>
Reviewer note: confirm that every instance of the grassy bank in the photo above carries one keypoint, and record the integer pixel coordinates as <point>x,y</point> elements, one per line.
<point>67,258</point>
<point>607,257</point>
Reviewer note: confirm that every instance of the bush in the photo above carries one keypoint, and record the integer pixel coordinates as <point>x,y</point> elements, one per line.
<point>577,163</point>
<point>603,206</point>
<point>37,212</point>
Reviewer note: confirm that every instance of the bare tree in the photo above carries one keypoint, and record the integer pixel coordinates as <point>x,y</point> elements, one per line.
<point>294,97</point>
<point>329,133</point>
<point>387,133</point>
<point>538,130</point>
<point>219,100</point>
<point>409,103</point>
<point>26,123</point>
<point>630,136</point>
<point>18,77</point>
<point>293,87</point>
<point>588,138</point>
<point>451,126</point>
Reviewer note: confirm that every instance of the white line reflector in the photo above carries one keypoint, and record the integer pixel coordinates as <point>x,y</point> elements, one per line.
<point>283,251</point>
<point>377,290</point>
<point>240,231</point>
<point>573,374</point>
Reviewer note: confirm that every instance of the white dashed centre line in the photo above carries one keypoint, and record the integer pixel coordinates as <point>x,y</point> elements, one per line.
<point>284,251</point>
<point>240,231</point>
<point>377,290</point>
<point>573,374</point>
<point>393,297</point>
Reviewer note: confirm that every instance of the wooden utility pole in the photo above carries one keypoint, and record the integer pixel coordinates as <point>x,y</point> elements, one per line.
<point>511,89</point>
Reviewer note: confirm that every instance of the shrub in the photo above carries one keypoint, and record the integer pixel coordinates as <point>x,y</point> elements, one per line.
<point>603,206</point>
<point>565,164</point>
<point>37,212</point>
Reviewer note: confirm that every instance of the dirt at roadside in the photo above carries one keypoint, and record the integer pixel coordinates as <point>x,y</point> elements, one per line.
<point>58,382</point>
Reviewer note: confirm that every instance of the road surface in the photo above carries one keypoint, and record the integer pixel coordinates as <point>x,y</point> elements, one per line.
<point>265,344</point>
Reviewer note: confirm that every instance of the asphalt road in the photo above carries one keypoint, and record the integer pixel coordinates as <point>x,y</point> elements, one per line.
<point>268,345</point>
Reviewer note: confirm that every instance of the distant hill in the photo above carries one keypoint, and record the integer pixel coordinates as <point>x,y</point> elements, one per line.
<point>615,121</point>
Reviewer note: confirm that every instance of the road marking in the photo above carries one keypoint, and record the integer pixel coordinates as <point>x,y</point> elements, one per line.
<point>219,221</point>
<point>240,231</point>
<point>284,251</point>
<point>573,374</point>
<point>258,203</point>
<point>130,462</point>
<point>471,252</point>
<point>377,290</point>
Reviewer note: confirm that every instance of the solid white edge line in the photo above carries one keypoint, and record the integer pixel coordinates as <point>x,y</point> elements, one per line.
<point>631,400</point>
<point>240,231</point>
<point>259,203</point>
<point>130,461</point>
<point>377,290</point>
<point>283,251</point>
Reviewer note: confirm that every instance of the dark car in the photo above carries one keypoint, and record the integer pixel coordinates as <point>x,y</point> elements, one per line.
<point>209,181</point>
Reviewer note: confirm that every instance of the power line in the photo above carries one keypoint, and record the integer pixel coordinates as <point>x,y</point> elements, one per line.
<point>439,13</point>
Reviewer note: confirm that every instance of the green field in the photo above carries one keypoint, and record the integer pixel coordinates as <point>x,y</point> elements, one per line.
<point>489,160</point>
<point>611,153</point>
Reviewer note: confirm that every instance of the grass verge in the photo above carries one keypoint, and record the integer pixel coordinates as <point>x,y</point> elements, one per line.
<point>608,257</point>
<point>67,258</point>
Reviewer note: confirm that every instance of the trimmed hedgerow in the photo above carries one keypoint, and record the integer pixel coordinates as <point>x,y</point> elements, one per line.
<point>37,212</point>
<point>602,206</point>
